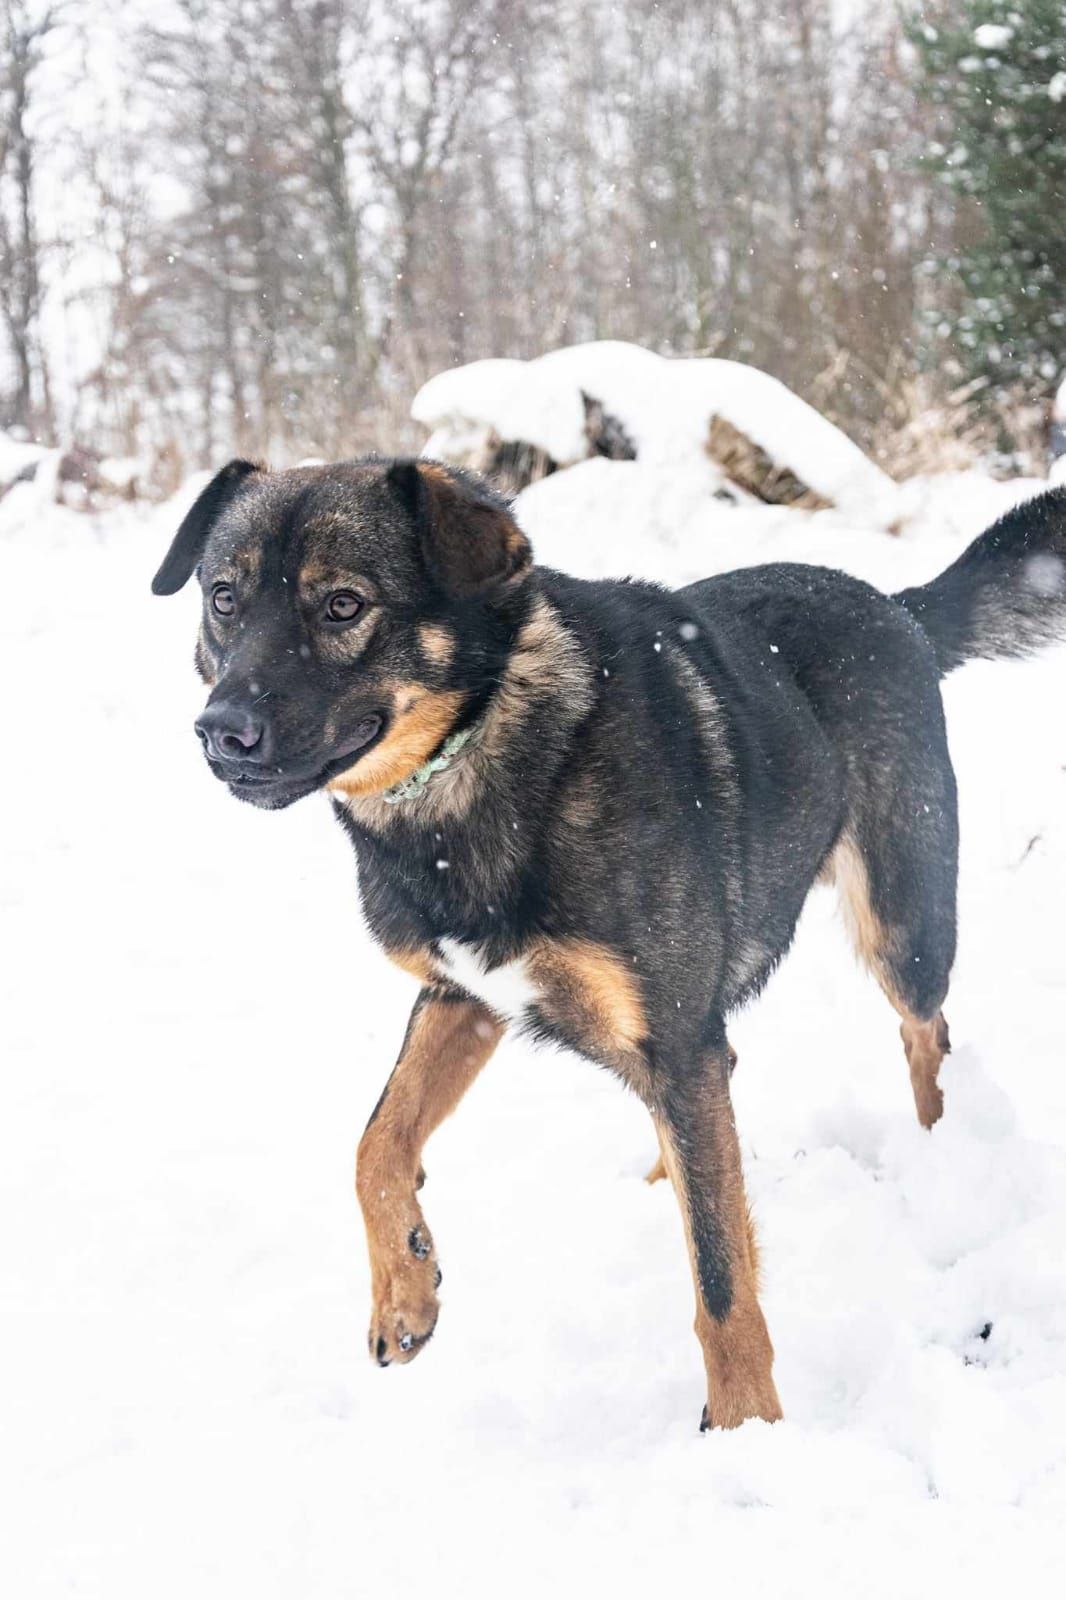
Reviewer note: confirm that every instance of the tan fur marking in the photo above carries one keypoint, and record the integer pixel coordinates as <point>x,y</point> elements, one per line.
<point>737,1352</point>
<point>317,574</point>
<point>657,1172</point>
<point>419,963</point>
<point>591,989</point>
<point>925,1040</point>
<point>437,644</point>
<point>926,1044</point>
<point>447,1044</point>
<point>872,940</point>
<point>314,572</point>
<point>422,719</point>
<point>580,803</point>
<point>546,666</point>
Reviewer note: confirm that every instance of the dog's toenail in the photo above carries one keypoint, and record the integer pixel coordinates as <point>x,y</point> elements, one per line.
<point>380,1352</point>
<point>420,1245</point>
<point>437,1277</point>
<point>406,1341</point>
<point>705,1421</point>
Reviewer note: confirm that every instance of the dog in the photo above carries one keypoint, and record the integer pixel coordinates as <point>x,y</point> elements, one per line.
<point>594,810</point>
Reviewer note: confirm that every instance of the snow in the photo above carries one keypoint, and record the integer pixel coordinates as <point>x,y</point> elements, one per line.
<point>121,472</point>
<point>16,455</point>
<point>992,36</point>
<point>578,521</point>
<point>196,1029</point>
<point>664,405</point>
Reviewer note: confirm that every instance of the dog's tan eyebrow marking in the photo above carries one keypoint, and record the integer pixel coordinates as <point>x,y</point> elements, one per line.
<point>314,575</point>
<point>312,572</point>
<point>437,643</point>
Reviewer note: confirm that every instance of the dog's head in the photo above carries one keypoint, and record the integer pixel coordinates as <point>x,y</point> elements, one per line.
<point>353,616</point>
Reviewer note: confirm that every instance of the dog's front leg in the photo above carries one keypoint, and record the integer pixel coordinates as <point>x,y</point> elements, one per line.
<point>449,1039</point>
<point>694,1119</point>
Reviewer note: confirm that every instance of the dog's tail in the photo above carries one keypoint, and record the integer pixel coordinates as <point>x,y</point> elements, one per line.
<point>1006,594</point>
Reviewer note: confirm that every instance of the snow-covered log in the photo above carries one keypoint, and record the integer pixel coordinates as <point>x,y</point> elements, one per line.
<point>746,463</point>
<point>522,420</point>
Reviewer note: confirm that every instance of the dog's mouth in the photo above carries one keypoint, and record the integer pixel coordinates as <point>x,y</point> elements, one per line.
<point>277,788</point>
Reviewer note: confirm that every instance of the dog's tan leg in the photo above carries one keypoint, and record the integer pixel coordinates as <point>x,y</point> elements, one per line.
<point>926,1044</point>
<point>449,1039</point>
<point>701,1154</point>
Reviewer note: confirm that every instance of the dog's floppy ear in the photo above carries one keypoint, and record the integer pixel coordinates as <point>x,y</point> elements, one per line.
<point>470,540</point>
<point>183,557</point>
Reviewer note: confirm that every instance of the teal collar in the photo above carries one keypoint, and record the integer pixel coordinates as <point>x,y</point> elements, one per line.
<point>410,788</point>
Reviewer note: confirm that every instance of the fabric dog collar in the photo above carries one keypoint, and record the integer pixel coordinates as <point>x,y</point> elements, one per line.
<point>410,788</point>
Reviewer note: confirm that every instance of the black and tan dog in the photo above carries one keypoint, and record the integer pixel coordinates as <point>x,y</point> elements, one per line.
<point>595,809</point>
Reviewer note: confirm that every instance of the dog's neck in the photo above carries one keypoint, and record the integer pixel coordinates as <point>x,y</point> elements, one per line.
<point>517,738</point>
<point>411,787</point>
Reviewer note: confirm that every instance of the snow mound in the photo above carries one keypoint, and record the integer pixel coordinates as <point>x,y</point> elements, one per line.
<point>664,406</point>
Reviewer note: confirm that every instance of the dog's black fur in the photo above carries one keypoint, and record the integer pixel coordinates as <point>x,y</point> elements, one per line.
<point>654,781</point>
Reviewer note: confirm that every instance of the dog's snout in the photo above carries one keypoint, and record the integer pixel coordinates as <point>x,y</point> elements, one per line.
<point>233,733</point>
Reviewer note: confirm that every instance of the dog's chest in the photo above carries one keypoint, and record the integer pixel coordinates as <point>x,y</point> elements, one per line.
<point>508,990</point>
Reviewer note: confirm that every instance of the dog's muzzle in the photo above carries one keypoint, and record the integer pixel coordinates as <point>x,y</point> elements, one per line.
<point>242,749</point>
<point>232,734</point>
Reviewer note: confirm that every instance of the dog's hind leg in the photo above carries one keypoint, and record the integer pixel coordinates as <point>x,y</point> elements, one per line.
<point>694,1119</point>
<point>449,1039</point>
<point>658,1171</point>
<point>899,903</point>
<point>926,1044</point>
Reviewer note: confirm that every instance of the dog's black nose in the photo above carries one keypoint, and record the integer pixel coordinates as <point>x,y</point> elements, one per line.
<point>232,733</point>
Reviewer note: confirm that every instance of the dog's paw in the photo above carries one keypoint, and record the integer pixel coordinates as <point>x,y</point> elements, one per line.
<point>400,1328</point>
<point>406,1305</point>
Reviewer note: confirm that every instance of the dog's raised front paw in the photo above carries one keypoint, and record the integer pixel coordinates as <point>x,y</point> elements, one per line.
<point>405,1303</point>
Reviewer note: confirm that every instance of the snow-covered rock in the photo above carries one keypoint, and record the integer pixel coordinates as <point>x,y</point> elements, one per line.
<point>665,407</point>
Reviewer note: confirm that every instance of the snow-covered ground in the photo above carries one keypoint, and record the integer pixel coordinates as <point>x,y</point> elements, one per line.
<point>197,1028</point>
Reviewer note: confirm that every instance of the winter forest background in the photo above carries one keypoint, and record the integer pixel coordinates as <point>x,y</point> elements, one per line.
<point>260,225</point>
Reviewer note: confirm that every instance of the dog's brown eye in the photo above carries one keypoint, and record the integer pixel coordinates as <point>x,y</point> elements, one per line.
<point>223,602</point>
<point>343,605</point>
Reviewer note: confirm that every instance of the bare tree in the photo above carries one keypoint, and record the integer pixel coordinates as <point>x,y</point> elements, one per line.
<point>29,404</point>
<point>360,192</point>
